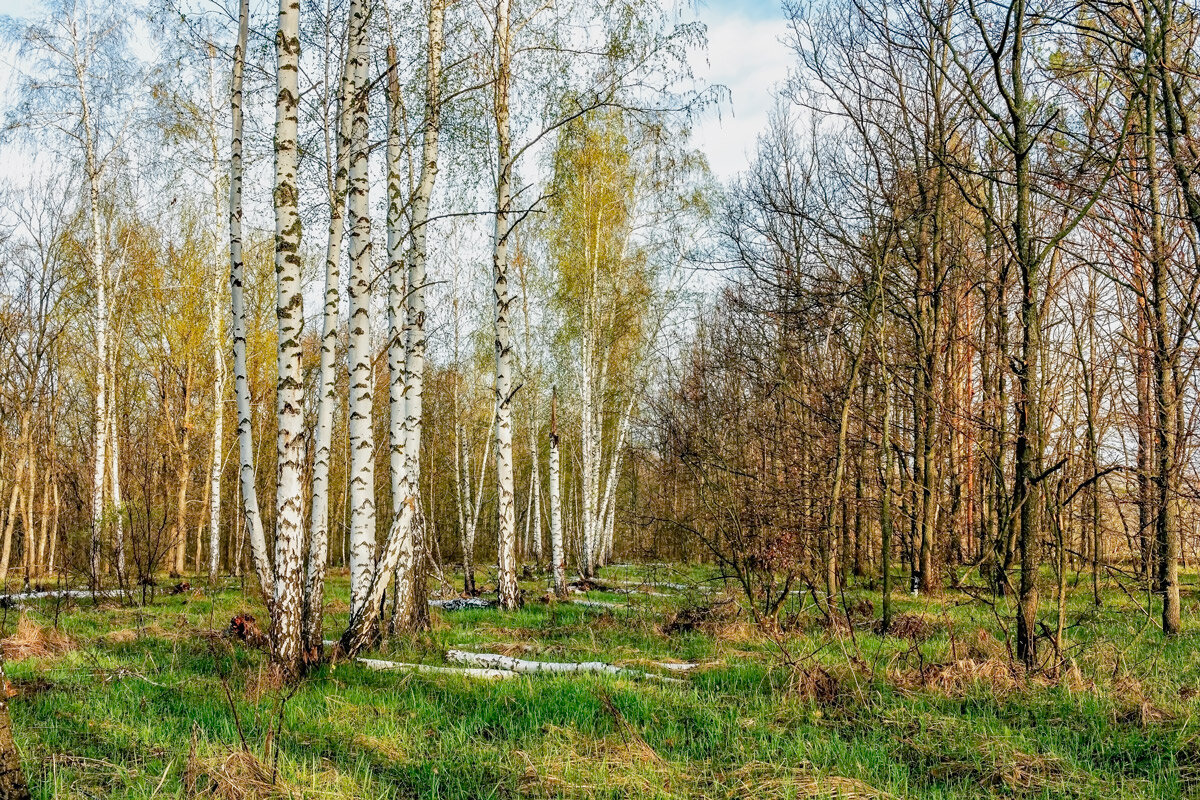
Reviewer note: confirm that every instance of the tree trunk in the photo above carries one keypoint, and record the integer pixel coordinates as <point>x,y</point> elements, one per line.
<point>318,547</point>
<point>411,611</point>
<point>10,521</point>
<point>362,443</point>
<point>289,308</point>
<point>505,495</point>
<point>246,475</point>
<point>558,553</point>
<point>118,506</point>
<point>1027,493</point>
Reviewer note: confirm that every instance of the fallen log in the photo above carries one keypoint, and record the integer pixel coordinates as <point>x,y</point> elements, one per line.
<point>14,600</point>
<point>459,603</point>
<point>486,673</point>
<point>520,665</point>
<point>597,604</point>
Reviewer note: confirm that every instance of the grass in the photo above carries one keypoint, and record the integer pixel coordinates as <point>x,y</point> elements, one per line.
<point>138,708</point>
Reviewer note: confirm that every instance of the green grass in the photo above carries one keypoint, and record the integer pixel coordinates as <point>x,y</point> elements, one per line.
<point>131,714</point>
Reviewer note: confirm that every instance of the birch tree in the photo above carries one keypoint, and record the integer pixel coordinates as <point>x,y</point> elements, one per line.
<point>506,534</point>
<point>327,399</point>
<point>401,551</point>
<point>558,554</point>
<point>260,558</point>
<point>68,51</point>
<point>362,447</point>
<point>289,528</point>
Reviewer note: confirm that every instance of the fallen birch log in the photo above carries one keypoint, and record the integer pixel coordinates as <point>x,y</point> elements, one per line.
<point>51,594</point>
<point>520,665</point>
<point>485,673</point>
<point>676,587</point>
<point>459,603</point>
<point>597,604</point>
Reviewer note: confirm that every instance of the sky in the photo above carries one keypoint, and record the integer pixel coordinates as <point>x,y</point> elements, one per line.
<point>744,54</point>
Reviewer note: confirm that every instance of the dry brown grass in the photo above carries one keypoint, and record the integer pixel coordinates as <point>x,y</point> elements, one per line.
<point>763,781</point>
<point>238,775</point>
<point>264,683</point>
<point>709,617</point>
<point>1136,707</point>
<point>956,678</point>
<point>912,627</point>
<point>383,748</point>
<point>568,764</point>
<point>126,635</point>
<point>31,640</point>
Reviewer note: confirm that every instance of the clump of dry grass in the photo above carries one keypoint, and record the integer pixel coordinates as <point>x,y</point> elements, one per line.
<point>384,748</point>
<point>1007,768</point>
<point>570,764</point>
<point>911,627</point>
<point>983,646</point>
<point>764,781</point>
<point>238,775</point>
<point>266,682</point>
<point>710,617</point>
<point>31,640</point>
<point>815,683</point>
<point>956,678</point>
<point>1136,707</point>
<point>126,635</point>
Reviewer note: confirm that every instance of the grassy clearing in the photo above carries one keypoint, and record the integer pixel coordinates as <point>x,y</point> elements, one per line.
<point>153,702</point>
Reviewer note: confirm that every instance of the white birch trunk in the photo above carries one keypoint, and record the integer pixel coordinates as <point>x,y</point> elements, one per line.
<point>318,555</point>
<point>218,455</point>
<point>607,515</point>
<point>410,602</point>
<point>289,308</point>
<point>588,460</point>
<point>241,380</point>
<point>30,494</point>
<point>524,666</point>
<point>216,298</point>
<point>475,499</point>
<point>558,552</point>
<point>505,494</point>
<point>362,445</point>
<point>463,467</point>
<point>533,528</point>
<point>44,538</point>
<point>400,554</point>
<point>10,521</point>
<point>536,487</point>
<point>101,317</point>
<point>114,482</point>
<point>461,499</point>
<point>398,321</point>
<point>396,302</point>
<point>50,561</point>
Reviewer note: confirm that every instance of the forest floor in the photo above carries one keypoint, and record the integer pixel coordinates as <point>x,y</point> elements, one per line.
<point>110,701</point>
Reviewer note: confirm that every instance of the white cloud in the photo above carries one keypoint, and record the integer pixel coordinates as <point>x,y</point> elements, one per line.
<point>746,55</point>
